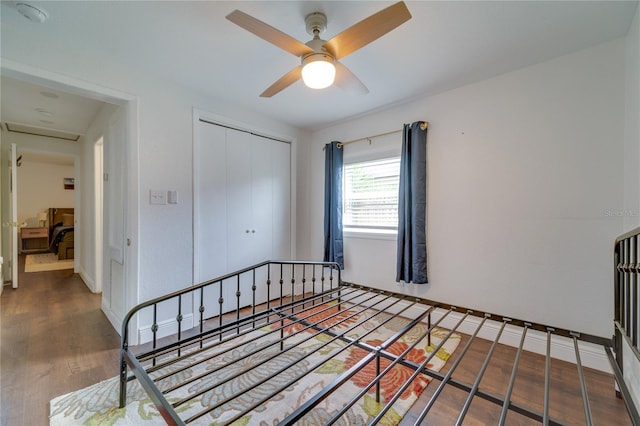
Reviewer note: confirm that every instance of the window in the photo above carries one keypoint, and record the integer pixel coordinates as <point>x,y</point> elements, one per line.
<point>371,195</point>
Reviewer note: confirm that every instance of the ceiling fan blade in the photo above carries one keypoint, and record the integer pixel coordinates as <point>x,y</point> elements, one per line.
<point>268,33</point>
<point>368,30</point>
<point>285,81</point>
<point>348,81</point>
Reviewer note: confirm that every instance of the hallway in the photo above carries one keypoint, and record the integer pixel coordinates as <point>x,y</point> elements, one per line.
<point>54,340</point>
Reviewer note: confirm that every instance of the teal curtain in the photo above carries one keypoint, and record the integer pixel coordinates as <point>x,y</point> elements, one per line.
<point>411,263</point>
<point>333,245</point>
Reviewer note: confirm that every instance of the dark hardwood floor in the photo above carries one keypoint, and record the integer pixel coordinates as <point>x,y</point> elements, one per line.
<point>54,340</point>
<point>565,399</point>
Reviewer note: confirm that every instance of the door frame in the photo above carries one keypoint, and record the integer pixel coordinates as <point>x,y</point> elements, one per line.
<point>13,214</point>
<point>98,183</point>
<point>130,103</point>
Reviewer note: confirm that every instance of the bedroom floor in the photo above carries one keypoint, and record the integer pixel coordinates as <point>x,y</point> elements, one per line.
<point>49,349</point>
<point>54,340</point>
<point>565,396</point>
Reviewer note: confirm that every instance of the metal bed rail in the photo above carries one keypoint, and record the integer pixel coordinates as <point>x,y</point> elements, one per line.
<point>264,284</point>
<point>505,401</point>
<point>626,263</point>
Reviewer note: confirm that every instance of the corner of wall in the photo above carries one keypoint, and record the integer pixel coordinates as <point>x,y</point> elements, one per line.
<point>632,125</point>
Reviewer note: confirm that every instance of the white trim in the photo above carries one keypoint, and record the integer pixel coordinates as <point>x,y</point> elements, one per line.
<point>132,273</point>
<point>225,121</point>
<point>165,328</point>
<point>113,319</point>
<point>62,82</point>
<point>90,283</point>
<point>97,155</point>
<point>591,355</point>
<point>562,348</point>
<point>370,234</point>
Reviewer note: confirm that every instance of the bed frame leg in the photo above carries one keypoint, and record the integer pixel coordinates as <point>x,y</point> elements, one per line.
<point>378,349</point>
<point>429,328</point>
<point>123,382</point>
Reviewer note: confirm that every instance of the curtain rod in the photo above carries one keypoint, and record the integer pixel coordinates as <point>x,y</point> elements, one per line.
<point>424,125</point>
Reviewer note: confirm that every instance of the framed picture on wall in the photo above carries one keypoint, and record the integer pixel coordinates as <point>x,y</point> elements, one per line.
<point>69,183</point>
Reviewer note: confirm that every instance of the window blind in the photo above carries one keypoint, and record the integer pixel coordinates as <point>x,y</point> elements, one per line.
<point>371,194</point>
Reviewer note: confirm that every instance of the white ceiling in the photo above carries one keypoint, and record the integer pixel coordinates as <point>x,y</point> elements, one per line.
<point>37,107</point>
<point>445,45</point>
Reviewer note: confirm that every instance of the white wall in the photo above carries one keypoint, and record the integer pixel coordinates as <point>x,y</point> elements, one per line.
<point>87,266</point>
<point>41,187</point>
<point>525,180</point>
<point>632,127</point>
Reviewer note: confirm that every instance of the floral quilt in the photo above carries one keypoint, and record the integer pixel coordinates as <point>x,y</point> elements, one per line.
<point>236,379</point>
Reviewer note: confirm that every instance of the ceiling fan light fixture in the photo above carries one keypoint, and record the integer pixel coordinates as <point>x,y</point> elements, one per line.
<point>318,71</point>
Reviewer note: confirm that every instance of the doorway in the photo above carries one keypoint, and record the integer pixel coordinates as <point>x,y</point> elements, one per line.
<point>46,209</point>
<point>116,156</point>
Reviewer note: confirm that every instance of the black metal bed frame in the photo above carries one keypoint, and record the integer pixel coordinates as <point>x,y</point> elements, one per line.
<point>626,262</point>
<point>294,286</point>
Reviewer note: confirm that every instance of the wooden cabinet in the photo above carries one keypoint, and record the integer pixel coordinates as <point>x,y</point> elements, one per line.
<point>34,239</point>
<point>242,203</point>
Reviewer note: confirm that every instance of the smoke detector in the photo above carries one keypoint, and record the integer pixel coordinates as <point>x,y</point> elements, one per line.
<point>32,12</point>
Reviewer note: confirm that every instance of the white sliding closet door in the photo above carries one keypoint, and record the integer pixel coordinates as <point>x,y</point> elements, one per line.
<point>211,217</point>
<point>281,201</point>
<point>210,206</point>
<point>249,230</point>
<point>239,199</point>
<point>242,208</point>
<point>262,178</point>
<point>249,207</point>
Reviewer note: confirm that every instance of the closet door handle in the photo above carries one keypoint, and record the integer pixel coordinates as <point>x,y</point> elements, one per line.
<point>253,231</point>
<point>246,231</point>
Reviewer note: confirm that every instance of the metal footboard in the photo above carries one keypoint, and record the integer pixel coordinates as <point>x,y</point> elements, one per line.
<point>265,284</point>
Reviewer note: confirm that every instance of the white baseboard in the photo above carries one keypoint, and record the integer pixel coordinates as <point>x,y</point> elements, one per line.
<point>89,282</point>
<point>562,348</point>
<point>165,328</point>
<point>113,319</point>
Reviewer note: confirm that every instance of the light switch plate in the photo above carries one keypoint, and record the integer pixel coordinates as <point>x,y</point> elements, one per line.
<point>172,197</point>
<point>157,197</point>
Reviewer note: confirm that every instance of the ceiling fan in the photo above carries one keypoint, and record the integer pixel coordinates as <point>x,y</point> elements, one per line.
<point>319,58</point>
